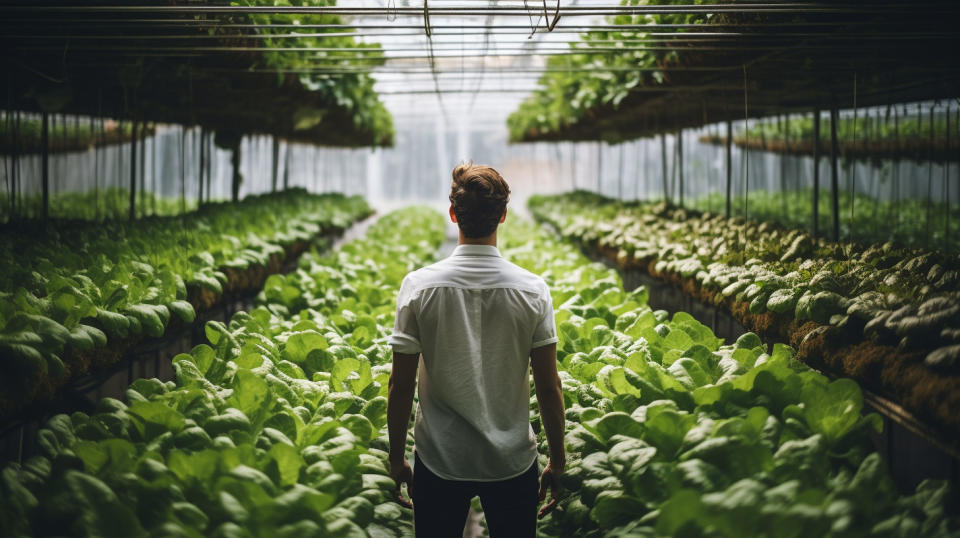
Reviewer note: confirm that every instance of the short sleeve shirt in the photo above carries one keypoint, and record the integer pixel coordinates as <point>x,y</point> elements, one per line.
<point>474,318</point>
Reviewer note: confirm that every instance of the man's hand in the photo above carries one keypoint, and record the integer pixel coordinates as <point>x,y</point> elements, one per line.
<point>543,360</point>
<point>402,473</point>
<point>403,382</point>
<point>550,479</point>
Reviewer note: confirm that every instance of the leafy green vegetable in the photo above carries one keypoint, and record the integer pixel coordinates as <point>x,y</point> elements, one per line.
<point>79,288</point>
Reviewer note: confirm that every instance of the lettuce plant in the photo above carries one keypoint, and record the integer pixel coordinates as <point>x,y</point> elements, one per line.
<point>77,289</point>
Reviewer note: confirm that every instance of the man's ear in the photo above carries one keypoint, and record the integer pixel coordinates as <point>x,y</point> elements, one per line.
<point>453,216</point>
<point>502,217</point>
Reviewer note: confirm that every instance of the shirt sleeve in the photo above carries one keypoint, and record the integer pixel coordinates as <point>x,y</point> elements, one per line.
<point>546,330</point>
<point>406,331</point>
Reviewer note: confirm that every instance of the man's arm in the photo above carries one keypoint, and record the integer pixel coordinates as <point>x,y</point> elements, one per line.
<point>403,382</point>
<point>549,391</point>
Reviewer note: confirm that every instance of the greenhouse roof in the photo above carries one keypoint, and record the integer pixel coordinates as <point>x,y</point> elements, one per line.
<point>243,67</point>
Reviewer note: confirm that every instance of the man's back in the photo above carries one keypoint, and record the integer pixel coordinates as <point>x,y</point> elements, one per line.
<point>474,317</point>
<point>473,325</point>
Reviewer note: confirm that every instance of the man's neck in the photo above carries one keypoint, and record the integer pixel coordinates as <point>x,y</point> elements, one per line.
<point>488,240</point>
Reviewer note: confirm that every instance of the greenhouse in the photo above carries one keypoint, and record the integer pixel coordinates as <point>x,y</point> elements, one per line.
<point>507,268</point>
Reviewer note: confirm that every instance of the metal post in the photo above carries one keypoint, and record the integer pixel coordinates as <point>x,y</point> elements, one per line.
<point>276,163</point>
<point>783,165</point>
<point>620,176</point>
<point>98,126</point>
<point>573,166</point>
<point>729,164</point>
<point>45,162</point>
<point>643,173</point>
<point>203,166</point>
<point>154,184</point>
<point>929,203</point>
<point>183,169</point>
<point>235,163</point>
<point>133,169</point>
<point>946,187</point>
<point>834,173</point>
<point>680,167</point>
<point>816,173</point>
<point>663,158</point>
<point>286,168</point>
<point>895,184</point>
<point>143,169</point>
<point>211,149</point>
<point>599,167</point>
<point>16,202</point>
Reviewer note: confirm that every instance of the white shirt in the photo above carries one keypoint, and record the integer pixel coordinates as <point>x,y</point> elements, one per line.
<point>474,317</point>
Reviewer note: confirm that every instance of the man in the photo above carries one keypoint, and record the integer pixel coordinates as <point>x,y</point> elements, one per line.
<point>475,324</point>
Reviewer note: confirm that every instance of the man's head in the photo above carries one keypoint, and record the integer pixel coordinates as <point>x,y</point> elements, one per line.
<point>478,199</point>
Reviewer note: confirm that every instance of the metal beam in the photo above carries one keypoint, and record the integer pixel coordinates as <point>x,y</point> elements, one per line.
<point>87,23</point>
<point>500,10</point>
<point>706,30</point>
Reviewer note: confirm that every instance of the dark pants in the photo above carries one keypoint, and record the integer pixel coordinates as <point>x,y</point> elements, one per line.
<point>441,506</point>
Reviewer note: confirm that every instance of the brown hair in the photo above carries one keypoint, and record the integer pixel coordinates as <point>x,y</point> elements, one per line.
<point>479,196</point>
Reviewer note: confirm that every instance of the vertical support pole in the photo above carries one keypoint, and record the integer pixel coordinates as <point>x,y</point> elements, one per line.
<point>15,169</point>
<point>946,187</point>
<point>98,126</point>
<point>154,184</point>
<point>573,166</point>
<point>143,169</point>
<point>203,166</point>
<point>783,165</point>
<point>895,184</point>
<point>620,175</point>
<point>276,163</point>
<point>929,203</point>
<point>133,169</point>
<point>663,159</point>
<point>314,158</point>
<point>815,202</point>
<point>643,173</point>
<point>183,169</point>
<point>286,168</point>
<point>834,173</point>
<point>45,162</point>
<point>211,150</point>
<point>729,165</point>
<point>680,167</point>
<point>118,180</point>
<point>237,178</point>
<point>599,167</point>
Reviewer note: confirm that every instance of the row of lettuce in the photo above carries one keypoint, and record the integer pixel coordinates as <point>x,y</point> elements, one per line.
<point>276,428</point>
<point>672,432</point>
<point>886,315</point>
<point>872,135</point>
<point>879,217</point>
<point>93,205</point>
<point>81,294</point>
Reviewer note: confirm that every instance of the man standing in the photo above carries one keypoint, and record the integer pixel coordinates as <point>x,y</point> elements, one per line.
<point>475,324</point>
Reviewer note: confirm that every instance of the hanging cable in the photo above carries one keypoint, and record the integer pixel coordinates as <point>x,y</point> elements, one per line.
<point>433,62</point>
<point>391,10</point>
<point>556,16</point>
<point>533,25</point>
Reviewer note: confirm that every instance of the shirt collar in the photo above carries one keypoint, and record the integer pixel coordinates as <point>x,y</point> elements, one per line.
<point>476,250</point>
